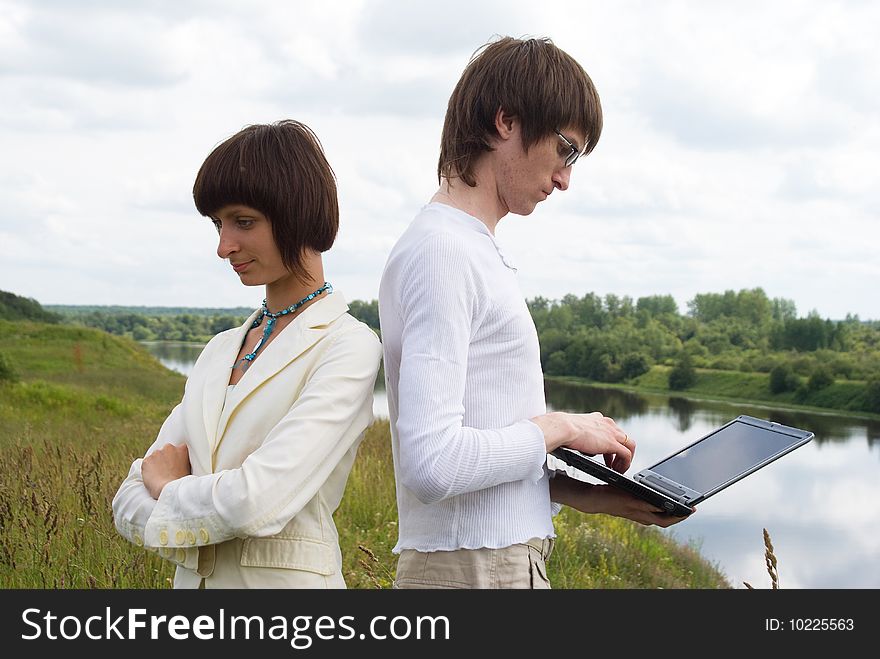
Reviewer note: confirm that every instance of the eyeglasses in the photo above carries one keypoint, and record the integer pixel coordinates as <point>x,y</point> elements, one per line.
<point>574,153</point>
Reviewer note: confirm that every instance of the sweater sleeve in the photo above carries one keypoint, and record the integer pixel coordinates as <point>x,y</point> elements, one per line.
<point>442,302</point>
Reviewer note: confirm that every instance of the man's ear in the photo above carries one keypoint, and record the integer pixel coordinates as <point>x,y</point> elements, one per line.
<point>506,125</point>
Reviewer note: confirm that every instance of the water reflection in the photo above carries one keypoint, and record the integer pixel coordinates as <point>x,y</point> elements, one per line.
<point>684,411</point>
<point>622,405</point>
<point>178,357</point>
<point>611,402</point>
<point>820,503</point>
<point>873,432</point>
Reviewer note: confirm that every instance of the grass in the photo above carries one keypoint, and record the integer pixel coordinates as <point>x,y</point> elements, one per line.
<point>592,551</point>
<point>610,552</point>
<point>84,404</point>
<point>770,562</point>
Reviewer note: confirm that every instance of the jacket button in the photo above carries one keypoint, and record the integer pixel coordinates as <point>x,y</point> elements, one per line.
<point>138,540</point>
<point>203,536</point>
<point>190,538</point>
<point>163,537</point>
<point>180,536</point>
<point>180,555</point>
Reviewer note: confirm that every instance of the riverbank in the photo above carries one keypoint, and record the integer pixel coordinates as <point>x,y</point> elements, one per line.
<point>738,388</point>
<point>82,404</point>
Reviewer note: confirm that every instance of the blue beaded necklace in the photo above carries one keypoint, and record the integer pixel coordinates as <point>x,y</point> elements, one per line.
<point>246,361</point>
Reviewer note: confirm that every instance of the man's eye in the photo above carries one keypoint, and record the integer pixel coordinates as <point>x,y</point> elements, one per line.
<point>216,224</point>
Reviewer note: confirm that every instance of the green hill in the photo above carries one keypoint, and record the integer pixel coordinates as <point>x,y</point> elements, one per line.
<point>83,404</point>
<point>86,403</point>
<point>15,307</point>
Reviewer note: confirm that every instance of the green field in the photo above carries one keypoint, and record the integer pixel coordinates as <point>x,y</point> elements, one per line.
<point>78,405</point>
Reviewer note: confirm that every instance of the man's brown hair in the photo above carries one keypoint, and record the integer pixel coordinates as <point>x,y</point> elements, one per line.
<point>280,170</point>
<point>531,79</point>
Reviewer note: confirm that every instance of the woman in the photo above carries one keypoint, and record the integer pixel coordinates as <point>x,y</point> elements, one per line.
<point>240,486</point>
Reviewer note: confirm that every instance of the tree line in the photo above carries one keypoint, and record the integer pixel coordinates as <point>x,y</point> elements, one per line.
<point>608,338</point>
<point>617,339</point>
<point>600,338</point>
<point>192,325</point>
<point>16,307</point>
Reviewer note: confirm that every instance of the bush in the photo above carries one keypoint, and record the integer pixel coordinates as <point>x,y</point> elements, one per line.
<point>758,362</point>
<point>724,363</point>
<point>7,370</point>
<point>872,396</point>
<point>802,365</point>
<point>682,375</point>
<point>783,379</point>
<point>634,365</point>
<point>820,379</point>
<point>599,367</point>
<point>557,364</point>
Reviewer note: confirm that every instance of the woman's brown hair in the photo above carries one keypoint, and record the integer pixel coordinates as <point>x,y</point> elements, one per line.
<point>280,170</point>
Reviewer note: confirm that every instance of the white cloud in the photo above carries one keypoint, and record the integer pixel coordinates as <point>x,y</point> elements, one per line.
<point>740,147</point>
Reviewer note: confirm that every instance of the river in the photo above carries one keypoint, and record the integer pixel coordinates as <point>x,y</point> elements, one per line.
<point>820,503</point>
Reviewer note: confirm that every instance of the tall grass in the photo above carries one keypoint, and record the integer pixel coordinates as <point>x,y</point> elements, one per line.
<point>367,517</point>
<point>56,528</point>
<point>86,404</point>
<point>594,551</point>
<point>770,562</point>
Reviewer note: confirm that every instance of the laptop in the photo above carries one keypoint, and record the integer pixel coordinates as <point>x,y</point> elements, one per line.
<point>693,474</point>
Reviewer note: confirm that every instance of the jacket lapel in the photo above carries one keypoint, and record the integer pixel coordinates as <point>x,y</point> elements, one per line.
<point>296,338</point>
<point>217,380</point>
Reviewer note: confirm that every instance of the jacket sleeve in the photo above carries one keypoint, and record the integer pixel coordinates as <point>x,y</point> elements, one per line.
<point>133,505</point>
<point>440,457</point>
<point>290,466</point>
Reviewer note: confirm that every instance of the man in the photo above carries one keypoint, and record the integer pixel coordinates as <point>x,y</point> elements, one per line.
<point>470,432</point>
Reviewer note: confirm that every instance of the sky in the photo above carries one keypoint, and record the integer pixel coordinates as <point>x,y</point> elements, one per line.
<point>741,142</point>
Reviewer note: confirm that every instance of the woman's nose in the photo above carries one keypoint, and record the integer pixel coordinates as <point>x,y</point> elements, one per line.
<point>226,246</point>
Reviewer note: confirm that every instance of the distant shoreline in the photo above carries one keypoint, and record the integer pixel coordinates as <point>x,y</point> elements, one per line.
<point>703,396</point>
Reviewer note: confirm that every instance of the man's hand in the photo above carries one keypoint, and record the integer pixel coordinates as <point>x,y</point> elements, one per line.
<point>588,433</point>
<point>163,466</point>
<point>589,498</point>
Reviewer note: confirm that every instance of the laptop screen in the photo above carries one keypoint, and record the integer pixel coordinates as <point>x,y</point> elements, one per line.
<point>729,452</point>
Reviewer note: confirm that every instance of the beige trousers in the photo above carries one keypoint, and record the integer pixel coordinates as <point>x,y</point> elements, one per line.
<point>518,566</point>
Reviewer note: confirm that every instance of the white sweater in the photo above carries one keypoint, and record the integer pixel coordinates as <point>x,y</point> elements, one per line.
<point>463,377</point>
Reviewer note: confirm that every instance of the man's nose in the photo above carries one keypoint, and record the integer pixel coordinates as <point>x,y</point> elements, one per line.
<point>561,178</point>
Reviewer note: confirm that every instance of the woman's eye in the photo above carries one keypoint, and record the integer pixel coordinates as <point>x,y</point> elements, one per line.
<point>216,224</point>
<point>244,222</point>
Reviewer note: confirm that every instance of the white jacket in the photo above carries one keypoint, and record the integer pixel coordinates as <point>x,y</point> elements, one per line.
<point>269,468</point>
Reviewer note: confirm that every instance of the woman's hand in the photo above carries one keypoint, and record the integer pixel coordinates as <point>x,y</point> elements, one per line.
<point>163,466</point>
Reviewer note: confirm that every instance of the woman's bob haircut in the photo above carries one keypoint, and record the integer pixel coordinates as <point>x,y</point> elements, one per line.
<point>280,170</point>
